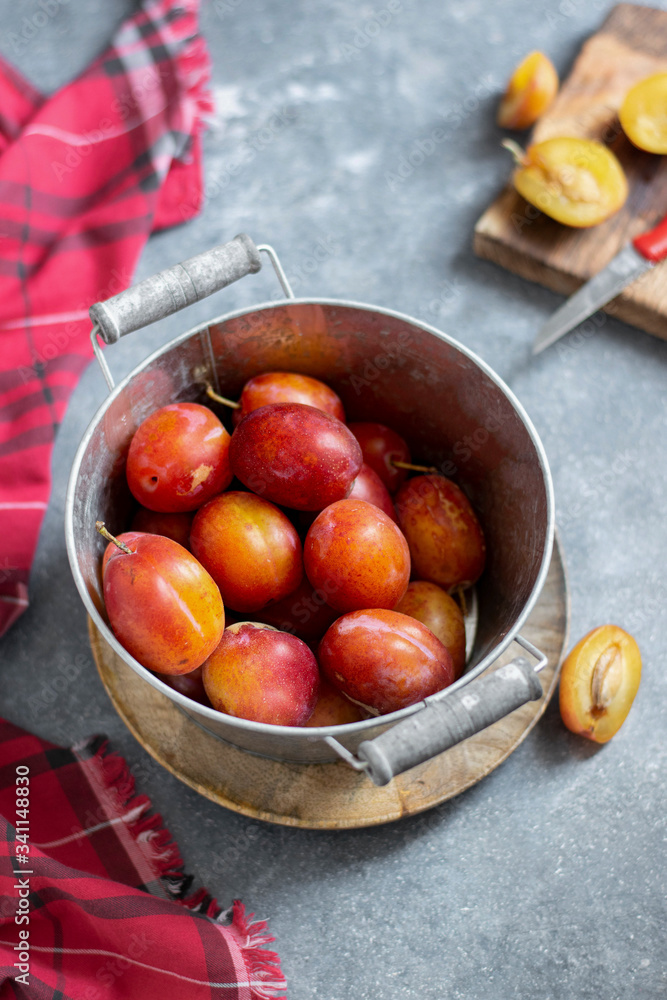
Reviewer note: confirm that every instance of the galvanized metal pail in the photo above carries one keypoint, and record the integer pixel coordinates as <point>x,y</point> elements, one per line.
<point>455,413</point>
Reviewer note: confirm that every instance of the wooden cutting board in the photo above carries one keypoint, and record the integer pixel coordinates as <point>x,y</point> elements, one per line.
<point>630,45</point>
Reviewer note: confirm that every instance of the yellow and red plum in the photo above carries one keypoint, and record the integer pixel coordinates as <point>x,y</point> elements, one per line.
<point>446,540</point>
<point>287,387</point>
<point>178,458</point>
<point>305,612</point>
<point>163,606</point>
<point>433,607</point>
<point>191,685</point>
<point>250,548</point>
<point>112,550</point>
<point>358,556</point>
<point>295,455</point>
<point>383,660</point>
<point>334,709</point>
<point>262,675</point>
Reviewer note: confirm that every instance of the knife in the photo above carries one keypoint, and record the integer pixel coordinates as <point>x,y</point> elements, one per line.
<point>630,263</point>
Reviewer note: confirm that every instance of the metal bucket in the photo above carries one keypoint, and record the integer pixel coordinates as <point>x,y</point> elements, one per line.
<point>455,413</point>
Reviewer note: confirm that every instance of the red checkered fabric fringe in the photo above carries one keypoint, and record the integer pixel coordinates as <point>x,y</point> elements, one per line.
<point>94,904</point>
<point>85,177</point>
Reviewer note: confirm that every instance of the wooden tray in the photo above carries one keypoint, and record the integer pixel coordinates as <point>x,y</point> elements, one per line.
<point>328,796</point>
<point>630,45</point>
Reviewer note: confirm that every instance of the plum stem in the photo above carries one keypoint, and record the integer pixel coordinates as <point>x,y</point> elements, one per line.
<point>461,594</point>
<point>515,149</point>
<point>212,394</point>
<point>110,538</point>
<point>413,468</point>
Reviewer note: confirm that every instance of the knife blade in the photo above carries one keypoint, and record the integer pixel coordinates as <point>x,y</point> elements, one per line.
<point>627,266</point>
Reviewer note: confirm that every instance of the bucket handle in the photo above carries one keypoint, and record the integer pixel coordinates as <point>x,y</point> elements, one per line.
<point>176,287</point>
<point>448,718</point>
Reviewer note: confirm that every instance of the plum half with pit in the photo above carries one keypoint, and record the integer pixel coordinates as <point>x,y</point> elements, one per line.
<point>598,683</point>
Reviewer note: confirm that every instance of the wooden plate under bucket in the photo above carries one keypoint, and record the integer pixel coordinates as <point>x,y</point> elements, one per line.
<point>329,796</point>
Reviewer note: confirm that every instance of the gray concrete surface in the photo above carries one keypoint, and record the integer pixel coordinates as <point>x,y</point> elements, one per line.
<point>547,879</point>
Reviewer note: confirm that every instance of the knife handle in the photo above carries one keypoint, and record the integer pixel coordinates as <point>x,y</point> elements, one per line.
<point>653,244</point>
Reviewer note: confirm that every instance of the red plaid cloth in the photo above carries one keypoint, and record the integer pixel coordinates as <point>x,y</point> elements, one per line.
<point>85,177</point>
<point>88,883</point>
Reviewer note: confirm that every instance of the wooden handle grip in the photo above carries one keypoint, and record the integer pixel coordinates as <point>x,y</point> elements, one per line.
<point>176,287</point>
<point>445,723</point>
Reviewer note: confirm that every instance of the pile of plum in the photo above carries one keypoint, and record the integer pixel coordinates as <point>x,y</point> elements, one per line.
<point>290,573</point>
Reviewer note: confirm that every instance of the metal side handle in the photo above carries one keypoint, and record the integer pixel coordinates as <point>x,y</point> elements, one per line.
<point>442,724</point>
<point>176,287</point>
